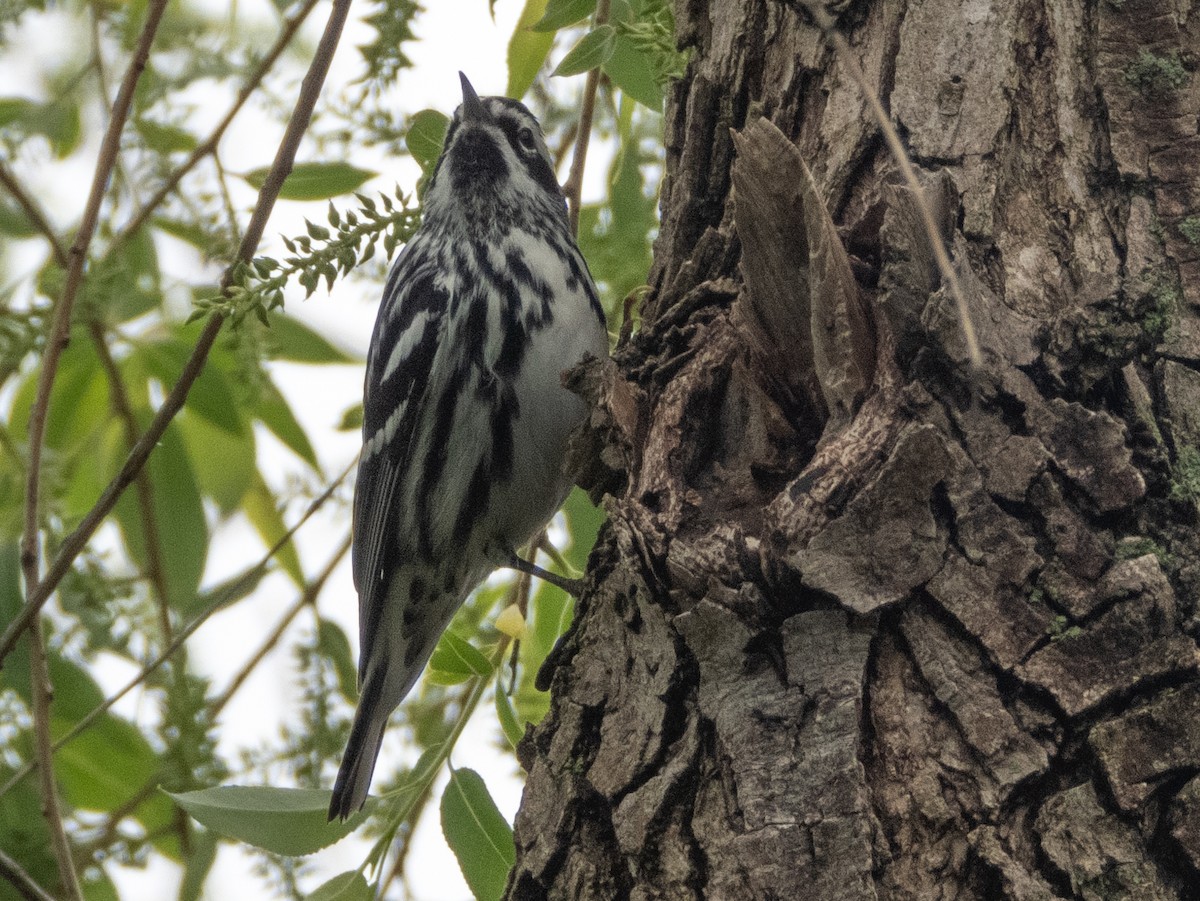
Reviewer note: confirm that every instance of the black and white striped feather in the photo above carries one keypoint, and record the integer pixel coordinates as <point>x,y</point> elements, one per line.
<point>465,418</point>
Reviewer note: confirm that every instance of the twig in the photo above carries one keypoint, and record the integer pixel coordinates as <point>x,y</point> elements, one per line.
<point>41,692</point>
<point>39,592</point>
<point>57,340</point>
<point>188,631</point>
<point>828,26</point>
<point>209,144</point>
<point>74,543</point>
<point>155,571</point>
<point>20,880</point>
<point>574,186</point>
<point>34,212</point>
<point>307,597</point>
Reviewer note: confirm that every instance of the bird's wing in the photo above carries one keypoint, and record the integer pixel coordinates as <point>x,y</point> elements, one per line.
<point>405,341</point>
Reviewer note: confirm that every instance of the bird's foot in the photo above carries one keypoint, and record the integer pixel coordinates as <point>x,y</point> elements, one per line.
<point>573,587</point>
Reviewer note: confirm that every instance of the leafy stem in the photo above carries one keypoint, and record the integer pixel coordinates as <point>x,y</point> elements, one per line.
<point>257,286</point>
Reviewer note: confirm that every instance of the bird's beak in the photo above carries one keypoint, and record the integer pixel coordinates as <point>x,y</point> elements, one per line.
<point>472,107</point>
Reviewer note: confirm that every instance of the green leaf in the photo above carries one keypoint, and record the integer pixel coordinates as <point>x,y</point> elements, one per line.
<point>631,71</point>
<point>211,396</point>
<point>185,231</point>
<point>290,821</point>
<point>79,402</point>
<point>456,659</point>
<point>550,613</point>
<point>315,181</point>
<point>273,411</point>
<point>103,767</point>
<point>527,50</point>
<point>198,865</point>
<point>290,339</point>
<point>97,886</point>
<point>425,137</point>
<point>349,886</point>
<point>57,121</point>
<point>13,110</point>
<point>616,242</point>
<point>561,13</point>
<point>263,513</point>
<point>14,222</point>
<point>231,590</point>
<point>333,643</point>
<point>509,724</point>
<point>352,419</point>
<point>23,832</point>
<point>478,835</point>
<point>584,520</point>
<point>126,284</point>
<point>179,519</point>
<point>165,138</point>
<point>224,461</point>
<point>97,466</point>
<point>593,49</point>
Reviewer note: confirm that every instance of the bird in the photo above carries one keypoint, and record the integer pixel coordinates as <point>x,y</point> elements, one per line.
<point>465,417</point>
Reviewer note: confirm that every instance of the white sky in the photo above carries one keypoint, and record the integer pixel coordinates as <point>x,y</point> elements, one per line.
<point>451,36</point>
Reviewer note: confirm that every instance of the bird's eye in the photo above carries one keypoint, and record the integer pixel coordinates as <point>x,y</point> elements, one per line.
<point>526,139</point>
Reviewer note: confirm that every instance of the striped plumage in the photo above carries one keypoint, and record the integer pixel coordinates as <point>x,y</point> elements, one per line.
<point>465,418</point>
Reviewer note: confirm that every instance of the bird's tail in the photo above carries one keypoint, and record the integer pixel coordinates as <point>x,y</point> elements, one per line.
<point>358,762</point>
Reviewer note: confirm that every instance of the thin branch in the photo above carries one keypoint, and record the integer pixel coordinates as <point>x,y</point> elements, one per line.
<point>77,254</point>
<point>307,598</point>
<point>209,144</point>
<point>34,212</point>
<point>41,695</point>
<point>155,571</point>
<point>829,28</point>
<point>310,90</point>
<point>20,880</point>
<point>247,579</point>
<point>574,186</point>
<point>57,340</point>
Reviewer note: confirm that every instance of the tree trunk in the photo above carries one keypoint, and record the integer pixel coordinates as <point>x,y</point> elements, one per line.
<point>867,622</point>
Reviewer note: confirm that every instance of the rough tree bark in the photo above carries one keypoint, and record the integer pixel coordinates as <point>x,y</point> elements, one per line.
<point>865,623</point>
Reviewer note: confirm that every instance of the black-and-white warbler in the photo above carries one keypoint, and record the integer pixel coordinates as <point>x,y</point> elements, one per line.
<point>465,421</point>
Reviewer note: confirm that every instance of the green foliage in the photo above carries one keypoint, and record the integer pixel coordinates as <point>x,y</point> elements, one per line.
<point>321,252</point>
<point>315,181</point>
<point>384,55</point>
<point>561,13</point>
<point>594,49</point>
<point>426,134</point>
<point>635,48</point>
<point>527,49</point>
<point>291,821</point>
<point>1164,306</point>
<point>343,887</point>
<point>1155,76</point>
<point>477,833</point>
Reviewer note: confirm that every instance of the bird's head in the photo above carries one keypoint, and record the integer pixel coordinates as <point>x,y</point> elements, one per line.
<point>494,162</point>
